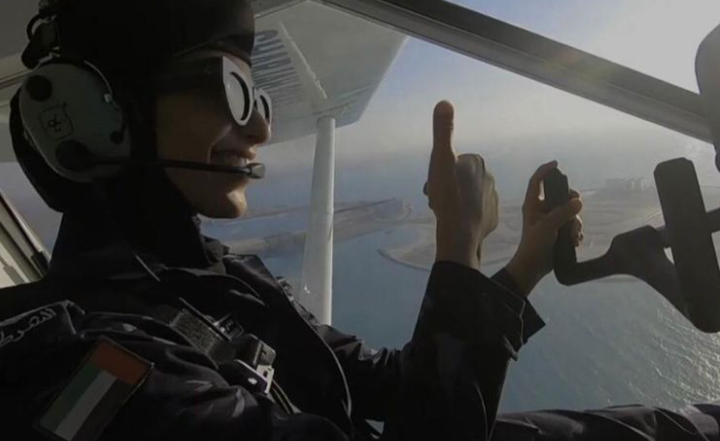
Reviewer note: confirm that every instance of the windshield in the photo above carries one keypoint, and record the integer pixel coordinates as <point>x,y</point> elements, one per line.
<point>609,342</point>
<point>657,37</point>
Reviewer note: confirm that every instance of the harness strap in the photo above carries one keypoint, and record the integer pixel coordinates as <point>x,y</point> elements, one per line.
<point>201,332</point>
<point>242,357</point>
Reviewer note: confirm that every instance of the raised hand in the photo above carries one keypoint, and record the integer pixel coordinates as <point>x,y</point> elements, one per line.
<point>461,193</point>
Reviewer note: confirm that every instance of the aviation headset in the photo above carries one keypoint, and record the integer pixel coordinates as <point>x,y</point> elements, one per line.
<point>69,110</point>
<point>68,106</point>
<point>74,122</point>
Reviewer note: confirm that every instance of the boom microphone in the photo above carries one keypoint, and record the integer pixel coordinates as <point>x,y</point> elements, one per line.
<point>76,157</point>
<point>255,170</point>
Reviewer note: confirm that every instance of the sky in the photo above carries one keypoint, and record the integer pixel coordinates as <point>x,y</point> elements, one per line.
<point>499,114</point>
<point>658,37</point>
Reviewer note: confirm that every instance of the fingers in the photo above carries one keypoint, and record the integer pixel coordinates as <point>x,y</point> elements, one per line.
<point>576,231</point>
<point>577,224</point>
<point>473,163</point>
<point>494,209</point>
<point>563,214</point>
<point>532,197</point>
<point>472,180</point>
<point>443,155</point>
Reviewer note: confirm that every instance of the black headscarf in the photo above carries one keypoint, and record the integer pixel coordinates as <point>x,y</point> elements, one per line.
<point>129,35</point>
<point>129,40</point>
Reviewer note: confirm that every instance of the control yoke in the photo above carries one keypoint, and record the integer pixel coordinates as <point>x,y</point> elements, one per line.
<point>692,282</point>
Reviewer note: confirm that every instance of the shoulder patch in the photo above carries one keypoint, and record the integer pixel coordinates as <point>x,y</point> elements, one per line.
<point>27,327</point>
<point>101,386</point>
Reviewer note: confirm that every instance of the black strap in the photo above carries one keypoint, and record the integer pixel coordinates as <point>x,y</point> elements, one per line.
<point>203,335</point>
<point>242,357</point>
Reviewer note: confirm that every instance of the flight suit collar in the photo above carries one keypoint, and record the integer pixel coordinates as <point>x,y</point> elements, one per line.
<point>141,213</point>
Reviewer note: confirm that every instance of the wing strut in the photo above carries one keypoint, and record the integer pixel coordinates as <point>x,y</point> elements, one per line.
<point>316,284</point>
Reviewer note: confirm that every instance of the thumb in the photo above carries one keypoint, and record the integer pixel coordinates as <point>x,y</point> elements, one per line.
<point>443,154</point>
<point>563,214</point>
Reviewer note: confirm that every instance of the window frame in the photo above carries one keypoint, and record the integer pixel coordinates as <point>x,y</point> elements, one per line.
<point>541,59</point>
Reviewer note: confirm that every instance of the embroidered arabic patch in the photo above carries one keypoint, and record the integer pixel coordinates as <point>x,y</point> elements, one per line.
<point>16,329</point>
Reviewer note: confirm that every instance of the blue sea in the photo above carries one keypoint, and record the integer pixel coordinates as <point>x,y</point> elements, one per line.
<point>604,343</point>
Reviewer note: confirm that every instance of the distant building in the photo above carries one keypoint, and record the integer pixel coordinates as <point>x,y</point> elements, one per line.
<point>625,185</point>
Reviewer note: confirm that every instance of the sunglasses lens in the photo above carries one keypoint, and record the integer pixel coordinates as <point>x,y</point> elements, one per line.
<point>239,98</point>
<point>263,104</point>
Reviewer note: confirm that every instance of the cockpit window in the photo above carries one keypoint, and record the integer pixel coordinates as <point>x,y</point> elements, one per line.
<point>659,38</point>
<point>22,258</point>
<point>43,221</point>
<point>609,342</point>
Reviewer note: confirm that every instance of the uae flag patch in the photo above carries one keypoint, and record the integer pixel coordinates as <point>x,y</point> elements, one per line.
<point>100,387</point>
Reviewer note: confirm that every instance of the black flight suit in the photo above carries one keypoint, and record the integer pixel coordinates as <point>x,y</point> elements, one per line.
<point>444,384</point>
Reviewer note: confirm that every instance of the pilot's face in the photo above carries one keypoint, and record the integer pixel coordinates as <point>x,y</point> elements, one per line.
<point>195,126</point>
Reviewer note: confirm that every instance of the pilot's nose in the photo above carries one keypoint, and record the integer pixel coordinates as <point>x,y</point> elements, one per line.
<point>257,130</point>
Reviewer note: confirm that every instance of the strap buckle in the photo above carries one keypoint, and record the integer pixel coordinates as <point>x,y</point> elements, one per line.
<point>259,378</point>
<point>256,358</point>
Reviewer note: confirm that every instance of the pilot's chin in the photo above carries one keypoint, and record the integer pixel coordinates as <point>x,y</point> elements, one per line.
<point>237,204</point>
<point>231,206</point>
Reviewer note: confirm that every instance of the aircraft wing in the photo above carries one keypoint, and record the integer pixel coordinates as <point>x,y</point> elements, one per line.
<point>312,59</point>
<point>315,60</point>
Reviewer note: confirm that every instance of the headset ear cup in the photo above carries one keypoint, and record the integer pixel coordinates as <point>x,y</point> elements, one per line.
<point>59,194</point>
<point>65,102</point>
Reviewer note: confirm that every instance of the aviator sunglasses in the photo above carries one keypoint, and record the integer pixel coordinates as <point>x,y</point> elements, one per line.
<point>227,79</point>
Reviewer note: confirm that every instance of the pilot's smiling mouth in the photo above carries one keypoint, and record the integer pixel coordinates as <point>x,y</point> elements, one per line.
<point>232,158</point>
<point>235,156</point>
